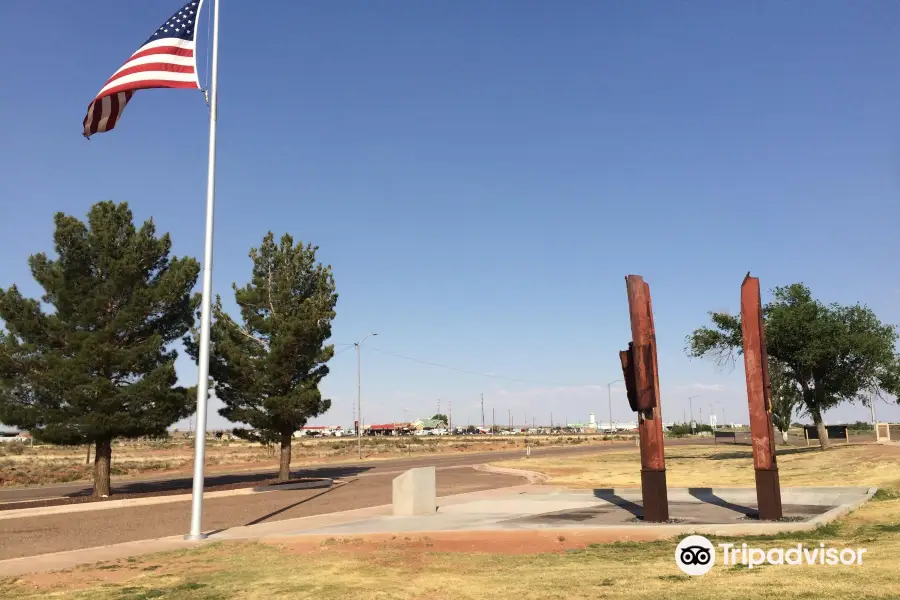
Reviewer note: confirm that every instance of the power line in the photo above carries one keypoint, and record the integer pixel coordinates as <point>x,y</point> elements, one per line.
<point>467,371</point>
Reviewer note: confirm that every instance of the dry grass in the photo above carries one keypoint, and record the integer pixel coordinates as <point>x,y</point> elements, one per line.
<point>412,569</point>
<point>422,568</point>
<point>724,466</point>
<point>42,464</point>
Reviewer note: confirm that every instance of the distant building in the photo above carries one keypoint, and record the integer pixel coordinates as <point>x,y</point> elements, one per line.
<point>320,430</point>
<point>427,424</point>
<point>387,429</point>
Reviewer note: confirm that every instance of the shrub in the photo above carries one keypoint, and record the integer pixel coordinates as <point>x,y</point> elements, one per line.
<point>680,429</point>
<point>15,448</point>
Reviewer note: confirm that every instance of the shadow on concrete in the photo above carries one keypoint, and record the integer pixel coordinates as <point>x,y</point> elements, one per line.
<point>610,496</point>
<point>707,496</point>
<point>235,479</point>
<point>283,509</point>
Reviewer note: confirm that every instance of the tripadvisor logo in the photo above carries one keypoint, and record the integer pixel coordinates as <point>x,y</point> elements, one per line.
<point>696,555</point>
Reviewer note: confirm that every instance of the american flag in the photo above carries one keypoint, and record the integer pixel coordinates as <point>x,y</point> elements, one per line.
<point>166,60</point>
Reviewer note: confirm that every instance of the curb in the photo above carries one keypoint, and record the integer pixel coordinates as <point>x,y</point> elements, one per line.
<point>40,511</point>
<point>533,477</point>
<point>839,511</point>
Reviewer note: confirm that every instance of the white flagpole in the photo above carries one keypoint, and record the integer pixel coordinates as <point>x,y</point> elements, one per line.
<point>203,360</point>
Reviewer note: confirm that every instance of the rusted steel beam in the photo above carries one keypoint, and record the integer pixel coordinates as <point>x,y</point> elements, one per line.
<point>645,374</point>
<point>762,430</point>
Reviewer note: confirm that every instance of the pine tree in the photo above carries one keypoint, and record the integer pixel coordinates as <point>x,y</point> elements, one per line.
<point>268,368</point>
<point>98,364</point>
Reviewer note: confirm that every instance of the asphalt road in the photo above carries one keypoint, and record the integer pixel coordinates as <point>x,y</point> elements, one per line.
<point>152,484</point>
<point>368,484</point>
<point>58,533</point>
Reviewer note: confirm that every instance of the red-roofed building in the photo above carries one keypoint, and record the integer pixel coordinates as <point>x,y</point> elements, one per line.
<point>387,429</point>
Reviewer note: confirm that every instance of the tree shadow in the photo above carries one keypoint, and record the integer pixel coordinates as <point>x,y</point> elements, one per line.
<point>741,454</point>
<point>226,479</point>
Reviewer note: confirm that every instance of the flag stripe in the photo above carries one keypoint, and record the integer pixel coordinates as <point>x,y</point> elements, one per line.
<point>166,41</point>
<point>171,50</point>
<point>113,115</point>
<point>165,60</point>
<point>156,66</point>
<point>136,80</point>
<point>153,58</point>
<point>154,83</point>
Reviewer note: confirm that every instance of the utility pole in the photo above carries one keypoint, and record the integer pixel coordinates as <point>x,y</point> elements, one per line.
<point>509,419</point>
<point>359,395</point>
<point>482,411</point>
<point>450,416</point>
<point>493,420</point>
<point>691,406</point>
<point>609,394</point>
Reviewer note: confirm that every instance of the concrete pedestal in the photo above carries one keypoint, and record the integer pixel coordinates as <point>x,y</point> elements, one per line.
<point>415,493</point>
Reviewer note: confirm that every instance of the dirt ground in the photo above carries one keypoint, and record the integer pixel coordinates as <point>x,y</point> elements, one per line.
<point>22,465</point>
<point>497,542</point>
<point>725,465</point>
<point>512,565</point>
<point>466,565</point>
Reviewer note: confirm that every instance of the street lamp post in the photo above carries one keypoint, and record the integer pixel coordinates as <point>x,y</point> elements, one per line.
<point>609,394</point>
<point>691,406</point>
<point>359,395</point>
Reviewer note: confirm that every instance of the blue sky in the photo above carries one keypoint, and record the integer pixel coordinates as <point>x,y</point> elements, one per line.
<point>482,175</point>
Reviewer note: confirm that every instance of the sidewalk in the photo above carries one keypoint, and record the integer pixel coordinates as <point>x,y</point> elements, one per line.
<point>611,514</point>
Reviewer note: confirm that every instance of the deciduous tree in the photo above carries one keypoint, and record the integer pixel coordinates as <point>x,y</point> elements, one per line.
<point>785,397</point>
<point>829,353</point>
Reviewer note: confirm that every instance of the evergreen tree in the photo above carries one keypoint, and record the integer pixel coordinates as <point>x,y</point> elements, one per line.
<point>96,365</point>
<point>268,368</point>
